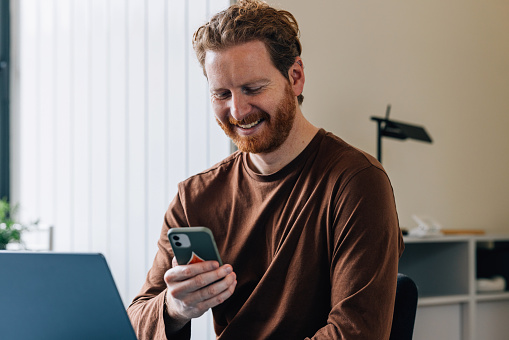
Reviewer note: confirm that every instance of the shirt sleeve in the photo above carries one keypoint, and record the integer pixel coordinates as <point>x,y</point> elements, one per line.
<point>147,312</point>
<point>364,262</point>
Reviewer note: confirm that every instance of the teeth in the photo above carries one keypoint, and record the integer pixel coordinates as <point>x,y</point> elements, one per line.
<point>248,126</point>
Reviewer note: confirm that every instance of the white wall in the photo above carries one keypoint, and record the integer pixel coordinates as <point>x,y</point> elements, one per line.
<point>110,110</point>
<point>441,64</point>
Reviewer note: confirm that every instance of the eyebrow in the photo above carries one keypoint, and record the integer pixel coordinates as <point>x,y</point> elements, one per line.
<point>259,82</point>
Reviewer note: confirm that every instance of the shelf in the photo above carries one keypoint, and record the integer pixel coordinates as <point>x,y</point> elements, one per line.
<point>439,269</point>
<point>454,299</point>
<point>456,238</point>
<point>445,269</point>
<point>445,300</point>
<point>435,239</point>
<point>498,296</point>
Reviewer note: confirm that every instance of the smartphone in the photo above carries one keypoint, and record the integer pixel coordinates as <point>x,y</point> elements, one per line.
<point>193,245</point>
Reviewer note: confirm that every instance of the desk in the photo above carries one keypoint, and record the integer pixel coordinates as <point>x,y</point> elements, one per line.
<point>444,269</point>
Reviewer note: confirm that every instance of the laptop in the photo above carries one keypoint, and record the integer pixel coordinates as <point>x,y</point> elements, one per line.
<point>56,296</point>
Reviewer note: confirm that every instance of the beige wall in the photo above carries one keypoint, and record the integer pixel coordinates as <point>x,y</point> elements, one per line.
<point>441,64</point>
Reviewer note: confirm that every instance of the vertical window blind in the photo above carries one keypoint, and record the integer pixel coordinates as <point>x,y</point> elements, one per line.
<point>111,111</point>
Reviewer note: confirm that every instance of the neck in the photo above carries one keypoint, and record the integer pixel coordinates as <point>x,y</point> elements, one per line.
<point>301,134</point>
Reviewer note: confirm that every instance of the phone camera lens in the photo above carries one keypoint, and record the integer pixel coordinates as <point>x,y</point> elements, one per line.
<point>176,238</point>
<point>178,244</point>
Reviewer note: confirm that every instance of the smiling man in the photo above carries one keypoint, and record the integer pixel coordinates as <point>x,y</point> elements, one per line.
<point>305,223</point>
<point>257,106</point>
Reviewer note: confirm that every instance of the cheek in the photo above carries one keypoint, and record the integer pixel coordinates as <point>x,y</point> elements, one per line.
<point>218,108</point>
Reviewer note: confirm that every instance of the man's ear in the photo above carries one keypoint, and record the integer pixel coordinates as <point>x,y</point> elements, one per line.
<point>296,76</point>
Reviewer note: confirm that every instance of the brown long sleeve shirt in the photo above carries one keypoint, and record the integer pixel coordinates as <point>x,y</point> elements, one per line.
<point>315,247</point>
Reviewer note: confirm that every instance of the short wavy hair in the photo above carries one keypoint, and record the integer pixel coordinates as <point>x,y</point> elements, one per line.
<point>249,20</point>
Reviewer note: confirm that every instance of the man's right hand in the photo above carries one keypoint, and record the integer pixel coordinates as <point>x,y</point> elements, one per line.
<point>194,288</point>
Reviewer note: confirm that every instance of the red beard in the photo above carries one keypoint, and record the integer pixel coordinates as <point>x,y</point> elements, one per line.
<point>275,132</point>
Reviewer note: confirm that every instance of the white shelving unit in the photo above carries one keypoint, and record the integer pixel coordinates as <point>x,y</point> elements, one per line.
<point>444,269</point>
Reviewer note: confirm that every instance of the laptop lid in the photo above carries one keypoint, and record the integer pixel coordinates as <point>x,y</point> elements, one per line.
<point>60,296</point>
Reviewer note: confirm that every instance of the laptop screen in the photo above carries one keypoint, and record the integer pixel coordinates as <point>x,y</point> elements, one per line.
<point>60,296</point>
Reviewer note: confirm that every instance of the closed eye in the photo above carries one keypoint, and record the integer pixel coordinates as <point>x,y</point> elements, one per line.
<point>221,95</point>
<point>251,90</point>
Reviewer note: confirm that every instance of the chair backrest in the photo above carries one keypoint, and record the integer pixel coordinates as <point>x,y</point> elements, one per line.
<point>404,309</point>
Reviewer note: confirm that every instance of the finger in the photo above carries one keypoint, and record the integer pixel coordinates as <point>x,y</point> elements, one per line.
<point>217,287</point>
<point>185,272</point>
<point>174,262</point>
<point>192,298</point>
<point>198,309</point>
<point>218,298</point>
<point>189,290</point>
<point>207,278</point>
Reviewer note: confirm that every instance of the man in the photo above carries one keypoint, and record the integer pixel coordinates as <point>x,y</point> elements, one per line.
<point>305,224</point>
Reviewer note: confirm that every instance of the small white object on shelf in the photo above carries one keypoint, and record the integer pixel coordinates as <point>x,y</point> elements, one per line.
<point>494,284</point>
<point>425,227</point>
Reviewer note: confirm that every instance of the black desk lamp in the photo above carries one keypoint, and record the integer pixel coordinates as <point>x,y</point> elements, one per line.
<point>398,130</point>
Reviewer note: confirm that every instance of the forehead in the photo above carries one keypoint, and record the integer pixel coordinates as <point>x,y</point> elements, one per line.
<point>239,64</point>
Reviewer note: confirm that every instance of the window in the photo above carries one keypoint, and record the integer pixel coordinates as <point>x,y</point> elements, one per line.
<point>110,111</point>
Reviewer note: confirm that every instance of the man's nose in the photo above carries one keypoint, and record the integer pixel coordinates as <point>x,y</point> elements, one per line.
<point>240,106</point>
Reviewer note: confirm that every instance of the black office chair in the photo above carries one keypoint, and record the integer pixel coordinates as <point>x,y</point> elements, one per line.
<point>404,309</point>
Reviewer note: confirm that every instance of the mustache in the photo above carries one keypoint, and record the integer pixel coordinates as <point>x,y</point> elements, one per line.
<point>249,119</point>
